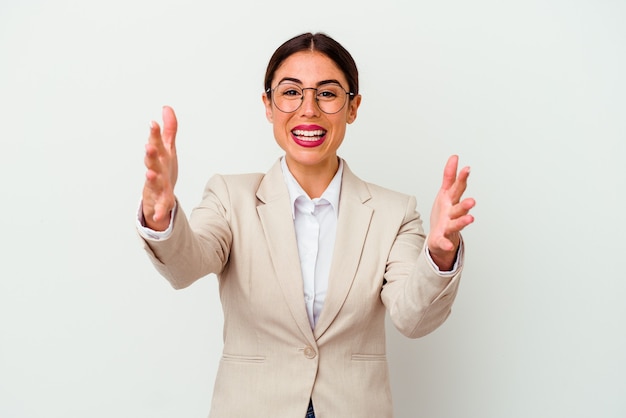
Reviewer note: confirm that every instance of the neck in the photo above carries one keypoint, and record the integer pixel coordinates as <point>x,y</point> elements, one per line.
<point>314,179</point>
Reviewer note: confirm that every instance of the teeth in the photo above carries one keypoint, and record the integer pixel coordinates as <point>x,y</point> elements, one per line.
<point>300,132</point>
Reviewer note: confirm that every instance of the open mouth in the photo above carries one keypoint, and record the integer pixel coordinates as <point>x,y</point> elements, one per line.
<point>309,135</point>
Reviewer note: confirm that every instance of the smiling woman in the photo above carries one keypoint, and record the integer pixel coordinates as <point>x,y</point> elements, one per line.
<point>309,135</point>
<point>308,256</point>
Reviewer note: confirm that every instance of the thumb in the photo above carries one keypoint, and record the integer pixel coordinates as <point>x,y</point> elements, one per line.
<point>170,126</point>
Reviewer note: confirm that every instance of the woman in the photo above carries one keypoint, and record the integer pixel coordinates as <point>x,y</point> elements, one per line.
<point>308,256</point>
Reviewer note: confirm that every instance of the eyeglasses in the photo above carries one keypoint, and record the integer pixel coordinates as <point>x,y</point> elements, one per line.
<point>330,98</point>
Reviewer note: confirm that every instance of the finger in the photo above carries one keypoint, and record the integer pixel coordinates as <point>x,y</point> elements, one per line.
<point>155,173</point>
<point>153,190</point>
<point>444,244</point>
<point>157,198</point>
<point>170,127</point>
<point>152,159</point>
<point>462,208</point>
<point>459,186</point>
<point>155,138</point>
<point>449,172</point>
<point>161,211</point>
<point>457,225</point>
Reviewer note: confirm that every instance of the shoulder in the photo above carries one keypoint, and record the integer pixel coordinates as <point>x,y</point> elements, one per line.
<point>385,193</point>
<point>233,186</point>
<point>248,184</point>
<point>374,194</point>
<point>392,210</point>
<point>392,204</point>
<point>238,181</point>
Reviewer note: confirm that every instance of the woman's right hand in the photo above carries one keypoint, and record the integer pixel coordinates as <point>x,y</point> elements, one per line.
<point>162,172</point>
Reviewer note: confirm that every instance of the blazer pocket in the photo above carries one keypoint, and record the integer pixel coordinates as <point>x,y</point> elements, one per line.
<point>369,357</point>
<point>231,358</point>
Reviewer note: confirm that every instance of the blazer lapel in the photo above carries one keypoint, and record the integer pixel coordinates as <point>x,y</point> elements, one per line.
<point>277,221</point>
<point>352,228</point>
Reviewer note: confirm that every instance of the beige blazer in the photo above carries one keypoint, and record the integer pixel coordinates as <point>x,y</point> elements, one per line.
<point>272,362</point>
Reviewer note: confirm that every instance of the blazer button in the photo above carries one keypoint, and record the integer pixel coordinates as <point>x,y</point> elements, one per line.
<point>309,353</point>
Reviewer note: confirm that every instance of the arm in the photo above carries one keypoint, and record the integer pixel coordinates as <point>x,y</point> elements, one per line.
<point>198,246</point>
<point>182,255</point>
<point>418,295</point>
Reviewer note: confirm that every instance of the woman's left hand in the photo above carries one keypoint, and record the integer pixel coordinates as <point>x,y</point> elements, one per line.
<point>449,215</point>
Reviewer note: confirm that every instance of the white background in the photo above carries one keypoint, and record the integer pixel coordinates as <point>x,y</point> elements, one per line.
<point>530,93</point>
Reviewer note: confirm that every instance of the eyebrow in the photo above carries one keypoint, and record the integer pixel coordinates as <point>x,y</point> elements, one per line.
<point>319,83</point>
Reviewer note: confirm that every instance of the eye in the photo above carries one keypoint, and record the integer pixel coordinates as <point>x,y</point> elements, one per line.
<point>329,92</point>
<point>291,92</point>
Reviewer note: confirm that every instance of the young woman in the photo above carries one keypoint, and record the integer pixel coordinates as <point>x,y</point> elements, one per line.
<point>308,256</point>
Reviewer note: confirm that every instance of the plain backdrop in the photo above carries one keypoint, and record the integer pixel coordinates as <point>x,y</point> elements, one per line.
<point>531,94</point>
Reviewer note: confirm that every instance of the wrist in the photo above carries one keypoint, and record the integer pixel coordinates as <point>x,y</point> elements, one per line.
<point>444,261</point>
<point>160,225</point>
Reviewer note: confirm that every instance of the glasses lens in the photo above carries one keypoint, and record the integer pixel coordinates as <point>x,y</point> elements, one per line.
<point>330,98</point>
<point>287,97</point>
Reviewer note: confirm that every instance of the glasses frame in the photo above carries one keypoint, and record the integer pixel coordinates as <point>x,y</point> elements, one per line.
<point>350,95</point>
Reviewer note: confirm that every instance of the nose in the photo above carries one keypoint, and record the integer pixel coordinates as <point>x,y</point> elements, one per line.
<point>309,105</point>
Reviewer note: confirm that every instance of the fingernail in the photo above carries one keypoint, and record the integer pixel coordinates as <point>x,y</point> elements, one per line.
<point>151,124</point>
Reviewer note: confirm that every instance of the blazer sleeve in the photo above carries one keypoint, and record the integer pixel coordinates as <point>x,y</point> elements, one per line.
<point>198,246</point>
<point>419,298</point>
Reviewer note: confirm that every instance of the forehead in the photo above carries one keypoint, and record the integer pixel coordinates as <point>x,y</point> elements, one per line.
<point>310,67</point>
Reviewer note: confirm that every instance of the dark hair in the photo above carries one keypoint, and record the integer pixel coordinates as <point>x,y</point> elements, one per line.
<point>315,42</point>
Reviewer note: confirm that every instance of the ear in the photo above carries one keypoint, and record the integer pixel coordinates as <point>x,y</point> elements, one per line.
<point>269,114</point>
<point>353,107</point>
